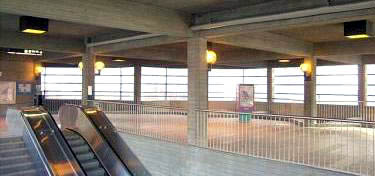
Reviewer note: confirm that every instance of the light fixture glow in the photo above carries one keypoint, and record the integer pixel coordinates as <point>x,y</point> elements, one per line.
<point>99,66</point>
<point>211,57</point>
<point>80,65</point>
<point>38,69</point>
<point>33,25</point>
<point>359,36</point>
<point>306,68</point>
<point>284,60</point>
<point>118,60</point>
<point>34,31</point>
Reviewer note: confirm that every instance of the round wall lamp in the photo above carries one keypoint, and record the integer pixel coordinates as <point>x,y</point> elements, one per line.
<point>99,66</point>
<point>307,69</point>
<point>211,56</point>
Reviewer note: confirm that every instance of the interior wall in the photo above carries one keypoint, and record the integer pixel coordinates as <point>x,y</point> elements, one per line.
<point>20,69</point>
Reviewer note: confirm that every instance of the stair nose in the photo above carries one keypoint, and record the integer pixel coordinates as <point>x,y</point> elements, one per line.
<point>12,145</point>
<point>81,149</point>
<point>11,139</point>
<point>31,172</point>
<point>4,161</point>
<point>13,152</point>
<point>8,169</point>
<point>85,156</point>
<point>76,142</point>
<point>90,164</point>
<point>96,172</point>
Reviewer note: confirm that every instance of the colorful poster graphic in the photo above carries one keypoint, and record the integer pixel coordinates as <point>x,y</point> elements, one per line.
<point>245,98</point>
<point>7,92</point>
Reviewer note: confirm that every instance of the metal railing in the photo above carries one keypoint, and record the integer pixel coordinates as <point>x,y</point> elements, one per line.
<point>159,122</point>
<point>53,105</point>
<point>341,145</point>
<point>335,144</point>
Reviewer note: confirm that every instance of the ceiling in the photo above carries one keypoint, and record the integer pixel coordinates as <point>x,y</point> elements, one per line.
<point>61,29</point>
<point>200,6</point>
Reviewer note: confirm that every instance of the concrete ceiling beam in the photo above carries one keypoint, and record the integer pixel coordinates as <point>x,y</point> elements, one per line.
<point>119,14</point>
<point>40,42</point>
<point>356,10</point>
<point>267,41</point>
<point>345,48</point>
<point>137,43</point>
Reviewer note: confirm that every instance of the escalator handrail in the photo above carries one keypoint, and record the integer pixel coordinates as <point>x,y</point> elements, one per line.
<point>110,126</point>
<point>69,115</point>
<point>57,130</point>
<point>47,117</point>
<point>38,148</point>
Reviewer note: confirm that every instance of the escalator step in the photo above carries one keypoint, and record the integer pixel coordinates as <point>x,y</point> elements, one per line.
<point>70,136</point>
<point>77,142</point>
<point>90,164</point>
<point>13,152</point>
<point>16,167</point>
<point>31,172</point>
<point>14,160</point>
<point>96,172</point>
<point>12,145</point>
<point>81,149</point>
<point>85,156</point>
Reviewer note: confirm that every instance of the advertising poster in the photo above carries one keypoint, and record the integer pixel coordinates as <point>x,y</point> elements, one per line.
<point>245,98</point>
<point>7,92</point>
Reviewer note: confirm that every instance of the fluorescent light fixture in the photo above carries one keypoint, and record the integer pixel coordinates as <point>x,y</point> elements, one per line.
<point>33,25</point>
<point>284,60</point>
<point>358,29</point>
<point>34,31</point>
<point>359,36</point>
<point>118,60</point>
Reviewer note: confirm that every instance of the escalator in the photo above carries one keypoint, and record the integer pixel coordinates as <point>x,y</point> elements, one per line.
<point>82,146</point>
<point>15,159</point>
<point>85,156</point>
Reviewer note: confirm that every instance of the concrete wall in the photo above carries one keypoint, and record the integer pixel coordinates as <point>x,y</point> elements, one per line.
<point>17,68</point>
<point>164,159</point>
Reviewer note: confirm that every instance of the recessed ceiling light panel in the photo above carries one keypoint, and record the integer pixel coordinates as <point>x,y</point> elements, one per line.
<point>358,29</point>
<point>33,25</point>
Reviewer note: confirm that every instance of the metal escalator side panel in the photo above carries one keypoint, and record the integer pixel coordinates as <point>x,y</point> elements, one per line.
<point>58,154</point>
<point>108,130</point>
<point>73,118</point>
<point>19,128</point>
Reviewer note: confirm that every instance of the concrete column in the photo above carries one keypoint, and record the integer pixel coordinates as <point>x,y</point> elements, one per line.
<point>362,85</point>
<point>137,83</point>
<point>310,108</point>
<point>269,88</point>
<point>198,90</point>
<point>88,76</point>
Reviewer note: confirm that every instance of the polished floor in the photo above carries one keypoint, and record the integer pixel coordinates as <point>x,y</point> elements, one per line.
<point>346,147</point>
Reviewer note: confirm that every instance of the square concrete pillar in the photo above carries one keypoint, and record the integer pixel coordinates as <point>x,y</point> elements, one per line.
<point>269,88</point>
<point>137,83</point>
<point>88,76</point>
<point>362,84</point>
<point>197,90</point>
<point>310,107</point>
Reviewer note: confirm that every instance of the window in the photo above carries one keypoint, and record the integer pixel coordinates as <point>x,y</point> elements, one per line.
<point>288,85</point>
<point>337,84</point>
<point>66,83</point>
<point>370,84</point>
<point>61,83</point>
<point>223,83</point>
<point>115,84</point>
<point>164,84</point>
